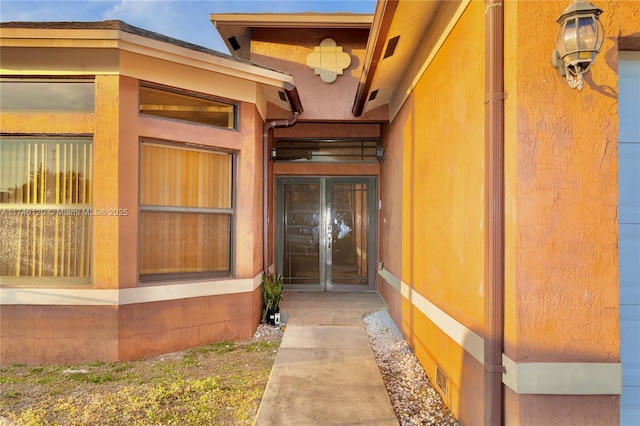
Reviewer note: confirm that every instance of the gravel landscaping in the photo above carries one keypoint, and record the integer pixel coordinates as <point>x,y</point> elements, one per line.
<point>413,397</point>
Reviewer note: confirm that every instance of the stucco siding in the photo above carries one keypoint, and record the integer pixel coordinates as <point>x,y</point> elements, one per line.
<point>62,334</point>
<point>561,272</point>
<point>443,172</point>
<point>551,410</point>
<point>168,326</point>
<point>435,153</point>
<point>562,196</point>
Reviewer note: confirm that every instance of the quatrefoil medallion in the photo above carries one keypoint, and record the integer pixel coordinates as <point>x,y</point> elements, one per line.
<point>328,60</point>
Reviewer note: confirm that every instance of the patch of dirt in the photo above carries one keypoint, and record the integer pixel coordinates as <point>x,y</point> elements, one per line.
<point>220,383</point>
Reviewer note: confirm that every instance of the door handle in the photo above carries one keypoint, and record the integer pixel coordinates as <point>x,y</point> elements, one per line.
<point>329,238</point>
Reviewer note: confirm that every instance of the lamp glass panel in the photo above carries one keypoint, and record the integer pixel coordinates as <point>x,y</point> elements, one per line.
<point>587,33</point>
<point>600,34</point>
<point>569,37</point>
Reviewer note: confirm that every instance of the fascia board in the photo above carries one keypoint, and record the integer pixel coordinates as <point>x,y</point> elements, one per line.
<point>302,20</point>
<point>55,37</point>
<point>158,49</point>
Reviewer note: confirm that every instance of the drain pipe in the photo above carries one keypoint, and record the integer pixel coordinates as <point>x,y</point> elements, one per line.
<point>494,213</point>
<point>291,93</point>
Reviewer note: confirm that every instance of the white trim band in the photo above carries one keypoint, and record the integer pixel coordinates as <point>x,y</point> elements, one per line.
<point>125,296</point>
<point>563,378</point>
<point>537,378</point>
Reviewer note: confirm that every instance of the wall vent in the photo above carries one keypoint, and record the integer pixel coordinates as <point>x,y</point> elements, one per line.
<point>391,47</point>
<point>234,43</point>
<point>373,95</point>
<point>442,380</point>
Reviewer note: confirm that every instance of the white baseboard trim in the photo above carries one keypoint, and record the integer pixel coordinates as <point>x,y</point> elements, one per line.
<point>539,378</point>
<point>125,296</point>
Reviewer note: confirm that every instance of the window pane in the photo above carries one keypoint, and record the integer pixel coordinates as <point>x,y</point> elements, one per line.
<point>173,238</point>
<point>47,95</point>
<point>45,171</point>
<point>49,243</point>
<point>327,151</point>
<point>184,243</point>
<point>45,199</point>
<point>163,103</point>
<point>171,176</point>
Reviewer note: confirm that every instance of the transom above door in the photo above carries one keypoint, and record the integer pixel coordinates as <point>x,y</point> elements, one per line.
<point>326,232</point>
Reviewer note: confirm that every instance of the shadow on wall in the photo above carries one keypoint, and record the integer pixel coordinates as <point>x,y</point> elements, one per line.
<point>453,359</point>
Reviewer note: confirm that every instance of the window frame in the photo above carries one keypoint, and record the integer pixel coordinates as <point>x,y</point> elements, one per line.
<point>202,96</point>
<point>163,278</point>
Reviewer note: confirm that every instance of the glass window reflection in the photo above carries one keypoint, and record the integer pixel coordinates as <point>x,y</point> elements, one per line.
<point>47,95</point>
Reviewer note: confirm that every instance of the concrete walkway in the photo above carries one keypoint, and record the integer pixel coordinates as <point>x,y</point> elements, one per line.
<point>325,372</point>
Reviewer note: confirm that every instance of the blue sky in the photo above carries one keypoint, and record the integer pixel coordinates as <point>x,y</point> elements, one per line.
<point>186,20</point>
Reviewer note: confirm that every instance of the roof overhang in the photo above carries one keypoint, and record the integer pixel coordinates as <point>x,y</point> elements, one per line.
<point>235,28</point>
<point>404,37</point>
<point>119,35</point>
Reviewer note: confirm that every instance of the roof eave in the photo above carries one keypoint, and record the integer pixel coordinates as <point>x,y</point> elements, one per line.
<point>126,40</point>
<point>291,20</point>
<point>235,28</point>
<point>382,19</point>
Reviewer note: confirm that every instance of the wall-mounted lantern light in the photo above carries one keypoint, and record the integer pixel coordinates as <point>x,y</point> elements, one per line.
<point>578,41</point>
<point>380,153</point>
<point>273,153</point>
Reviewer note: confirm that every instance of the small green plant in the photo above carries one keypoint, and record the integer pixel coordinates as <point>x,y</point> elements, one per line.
<point>271,293</point>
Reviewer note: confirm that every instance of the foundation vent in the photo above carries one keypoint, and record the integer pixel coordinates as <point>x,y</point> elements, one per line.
<point>442,380</point>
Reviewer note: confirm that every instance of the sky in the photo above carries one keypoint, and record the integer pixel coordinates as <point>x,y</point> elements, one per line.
<point>186,20</point>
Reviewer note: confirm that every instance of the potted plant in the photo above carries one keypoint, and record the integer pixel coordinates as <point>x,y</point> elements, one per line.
<point>271,295</point>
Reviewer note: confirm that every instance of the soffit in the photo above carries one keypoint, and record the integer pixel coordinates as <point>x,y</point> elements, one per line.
<point>410,21</point>
<point>235,28</point>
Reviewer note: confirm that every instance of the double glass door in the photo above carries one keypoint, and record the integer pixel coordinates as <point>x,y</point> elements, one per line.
<point>326,233</point>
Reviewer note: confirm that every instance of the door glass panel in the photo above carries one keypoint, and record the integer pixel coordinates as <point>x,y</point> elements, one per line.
<point>326,229</point>
<point>349,234</point>
<point>301,249</point>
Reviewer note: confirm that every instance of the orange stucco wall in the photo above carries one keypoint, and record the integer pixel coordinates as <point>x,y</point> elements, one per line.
<point>561,201</point>
<point>443,177</point>
<point>561,223</point>
<point>562,194</point>
<point>432,235</point>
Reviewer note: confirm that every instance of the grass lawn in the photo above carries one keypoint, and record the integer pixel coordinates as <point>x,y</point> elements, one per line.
<point>221,383</point>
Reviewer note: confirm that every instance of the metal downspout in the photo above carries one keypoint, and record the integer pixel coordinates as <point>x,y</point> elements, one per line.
<point>294,100</point>
<point>494,213</point>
